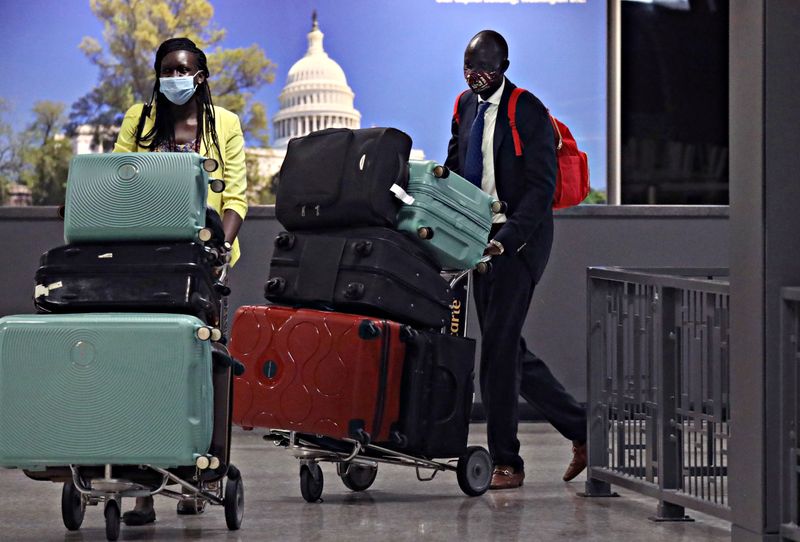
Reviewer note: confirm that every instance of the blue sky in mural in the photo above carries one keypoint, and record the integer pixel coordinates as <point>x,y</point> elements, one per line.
<point>402,57</point>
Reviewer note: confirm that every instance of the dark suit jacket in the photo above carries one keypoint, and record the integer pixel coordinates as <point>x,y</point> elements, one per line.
<point>526,183</point>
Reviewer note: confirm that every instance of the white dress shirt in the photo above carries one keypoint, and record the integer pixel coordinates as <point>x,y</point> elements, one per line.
<point>487,146</point>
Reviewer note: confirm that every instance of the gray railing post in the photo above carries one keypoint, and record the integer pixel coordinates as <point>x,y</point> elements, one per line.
<point>670,443</point>
<point>597,418</point>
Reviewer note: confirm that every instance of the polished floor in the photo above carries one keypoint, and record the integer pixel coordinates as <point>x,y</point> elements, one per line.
<point>397,507</point>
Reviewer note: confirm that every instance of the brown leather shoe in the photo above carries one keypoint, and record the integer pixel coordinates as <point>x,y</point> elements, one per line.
<point>578,462</point>
<point>505,477</point>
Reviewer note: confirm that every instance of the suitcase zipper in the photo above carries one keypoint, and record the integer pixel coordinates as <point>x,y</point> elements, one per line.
<point>473,217</point>
<point>382,377</point>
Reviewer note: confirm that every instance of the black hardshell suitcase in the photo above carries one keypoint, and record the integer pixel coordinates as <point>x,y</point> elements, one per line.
<point>151,277</point>
<point>436,396</point>
<point>369,271</point>
<point>342,178</point>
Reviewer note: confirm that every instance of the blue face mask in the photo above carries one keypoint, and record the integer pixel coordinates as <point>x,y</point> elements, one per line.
<point>178,90</point>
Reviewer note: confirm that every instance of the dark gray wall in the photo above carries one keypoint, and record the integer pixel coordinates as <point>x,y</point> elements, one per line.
<point>638,236</point>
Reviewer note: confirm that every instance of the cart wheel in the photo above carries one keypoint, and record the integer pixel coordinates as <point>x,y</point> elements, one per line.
<point>234,501</point>
<point>73,507</point>
<point>112,519</point>
<point>311,482</point>
<point>359,477</point>
<point>474,471</point>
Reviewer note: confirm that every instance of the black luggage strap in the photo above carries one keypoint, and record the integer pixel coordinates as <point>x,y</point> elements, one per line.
<point>319,267</point>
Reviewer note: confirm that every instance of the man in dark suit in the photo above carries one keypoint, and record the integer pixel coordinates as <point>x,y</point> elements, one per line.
<point>482,150</point>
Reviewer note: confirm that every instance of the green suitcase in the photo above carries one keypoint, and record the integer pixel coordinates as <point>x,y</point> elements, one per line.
<point>449,215</point>
<point>104,388</point>
<point>159,196</point>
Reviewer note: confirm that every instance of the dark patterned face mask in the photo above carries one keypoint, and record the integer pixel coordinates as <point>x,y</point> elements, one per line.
<point>480,80</point>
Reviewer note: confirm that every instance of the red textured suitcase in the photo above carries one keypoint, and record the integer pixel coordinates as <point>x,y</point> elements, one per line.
<point>318,372</point>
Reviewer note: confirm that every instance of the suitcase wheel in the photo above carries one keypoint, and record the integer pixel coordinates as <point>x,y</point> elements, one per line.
<point>284,240</point>
<point>210,165</point>
<point>217,185</point>
<point>275,286</point>
<point>204,333</point>
<point>367,330</point>
<point>311,482</point>
<point>354,290</point>
<point>399,438</point>
<point>483,267</point>
<point>474,471</point>
<point>357,477</point>
<point>425,232</point>
<point>363,248</point>
<point>499,207</point>
<point>221,289</point>
<point>441,172</point>
<point>408,333</point>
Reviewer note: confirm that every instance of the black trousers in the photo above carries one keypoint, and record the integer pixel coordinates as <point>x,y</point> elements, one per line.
<point>508,369</point>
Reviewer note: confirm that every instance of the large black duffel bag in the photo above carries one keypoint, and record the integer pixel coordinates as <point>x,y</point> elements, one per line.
<point>369,271</point>
<point>342,178</point>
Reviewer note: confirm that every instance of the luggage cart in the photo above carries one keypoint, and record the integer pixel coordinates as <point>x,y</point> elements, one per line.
<point>211,480</point>
<point>357,462</point>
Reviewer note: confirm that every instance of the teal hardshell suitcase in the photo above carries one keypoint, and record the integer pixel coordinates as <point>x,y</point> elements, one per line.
<point>104,388</point>
<point>135,197</point>
<point>449,215</point>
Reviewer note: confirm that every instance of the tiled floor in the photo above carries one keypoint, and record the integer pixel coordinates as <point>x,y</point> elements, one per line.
<point>397,507</point>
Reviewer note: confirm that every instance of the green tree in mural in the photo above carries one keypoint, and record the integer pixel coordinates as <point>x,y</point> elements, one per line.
<point>133,30</point>
<point>44,154</point>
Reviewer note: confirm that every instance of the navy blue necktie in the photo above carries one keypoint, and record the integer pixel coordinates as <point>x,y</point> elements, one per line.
<point>473,163</point>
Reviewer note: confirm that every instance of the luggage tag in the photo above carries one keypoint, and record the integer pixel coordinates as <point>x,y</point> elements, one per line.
<point>401,194</point>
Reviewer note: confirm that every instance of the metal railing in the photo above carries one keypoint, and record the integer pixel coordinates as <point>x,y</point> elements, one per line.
<point>790,413</point>
<point>658,387</point>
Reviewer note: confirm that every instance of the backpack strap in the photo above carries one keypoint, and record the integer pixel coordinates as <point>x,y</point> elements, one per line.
<point>559,139</point>
<point>512,119</point>
<point>455,108</point>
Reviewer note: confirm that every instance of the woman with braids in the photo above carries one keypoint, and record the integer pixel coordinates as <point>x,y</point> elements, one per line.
<point>183,119</point>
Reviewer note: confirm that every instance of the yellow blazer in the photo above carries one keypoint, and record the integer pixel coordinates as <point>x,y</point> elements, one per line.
<point>231,142</point>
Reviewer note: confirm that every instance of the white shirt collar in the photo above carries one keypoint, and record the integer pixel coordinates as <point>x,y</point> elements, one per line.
<point>495,98</point>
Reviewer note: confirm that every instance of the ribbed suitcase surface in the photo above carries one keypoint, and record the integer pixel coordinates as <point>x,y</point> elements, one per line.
<point>457,214</point>
<point>317,372</point>
<point>135,197</point>
<point>136,277</point>
<point>89,389</point>
<point>372,271</point>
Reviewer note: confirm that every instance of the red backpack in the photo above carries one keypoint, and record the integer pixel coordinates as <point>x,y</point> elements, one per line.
<point>572,179</point>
